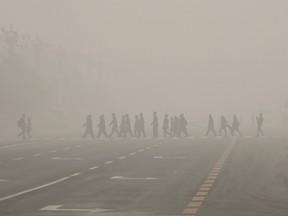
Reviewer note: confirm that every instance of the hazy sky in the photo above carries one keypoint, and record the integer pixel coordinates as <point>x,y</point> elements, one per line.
<point>195,55</point>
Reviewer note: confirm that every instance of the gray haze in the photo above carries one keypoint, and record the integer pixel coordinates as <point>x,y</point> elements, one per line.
<point>196,57</point>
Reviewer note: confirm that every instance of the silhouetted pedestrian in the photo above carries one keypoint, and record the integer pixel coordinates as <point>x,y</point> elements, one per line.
<point>123,126</point>
<point>142,125</point>
<point>183,125</point>
<point>235,126</point>
<point>259,120</point>
<point>114,125</point>
<point>166,126</point>
<point>137,126</point>
<point>102,127</point>
<point>155,125</point>
<point>128,125</point>
<point>29,128</point>
<point>210,126</point>
<point>223,126</point>
<point>88,127</point>
<point>22,126</point>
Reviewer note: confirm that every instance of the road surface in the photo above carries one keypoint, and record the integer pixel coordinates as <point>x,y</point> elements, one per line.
<point>115,177</point>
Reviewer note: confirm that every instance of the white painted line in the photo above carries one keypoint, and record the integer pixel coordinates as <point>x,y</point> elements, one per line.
<point>20,158</point>
<point>109,162</point>
<point>75,174</point>
<point>161,157</point>
<point>58,208</point>
<point>35,155</point>
<point>15,145</point>
<point>4,180</point>
<point>129,178</point>
<point>123,157</point>
<point>132,153</point>
<point>92,168</point>
<point>33,189</point>
<point>59,158</point>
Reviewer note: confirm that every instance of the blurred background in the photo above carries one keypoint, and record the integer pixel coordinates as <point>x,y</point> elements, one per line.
<point>60,60</point>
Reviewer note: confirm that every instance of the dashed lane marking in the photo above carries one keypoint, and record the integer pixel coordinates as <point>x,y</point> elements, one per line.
<point>123,157</point>
<point>36,155</point>
<point>75,174</point>
<point>20,158</point>
<point>132,153</point>
<point>109,162</point>
<point>196,202</point>
<point>92,168</point>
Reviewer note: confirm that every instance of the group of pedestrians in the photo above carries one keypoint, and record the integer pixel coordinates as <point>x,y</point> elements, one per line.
<point>177,126</point>
<point>234,127</point>
<point>25,126</point>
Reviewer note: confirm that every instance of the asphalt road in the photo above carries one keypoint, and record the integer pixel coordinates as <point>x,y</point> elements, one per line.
<point>113,177</point>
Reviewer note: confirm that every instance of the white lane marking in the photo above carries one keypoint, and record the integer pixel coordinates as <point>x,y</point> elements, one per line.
<point>20,158</point>
<point>109,162</point>
<point>58,208</point>
<point>59,158</point>
<point>33,189</point>
<point>53,151</point>
<point>161,157</point>
<point>35,155</point>
<point>92,168</point>
<point>75,174</point>
<point>4,180</point>
<point>123,157</point>
<point>140,150</point>
<point>132,153</point>
<point>15,145</point>
<point>129,178</point>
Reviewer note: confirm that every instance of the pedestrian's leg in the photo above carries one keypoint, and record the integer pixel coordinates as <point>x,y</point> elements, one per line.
<point>214,132</point>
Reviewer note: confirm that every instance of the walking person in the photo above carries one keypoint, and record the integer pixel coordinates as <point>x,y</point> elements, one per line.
<point>142,126</point>
<point>223,126</point>
<point>183,126</point>
<point>128,125</point>
<point>123,127</point>
<point>29,128</point>
<point>235,126</point>
<point>210,126</point>
<point>166,126</point>
<point>88,127</point>
<point>114,126</point>
<point>22,126</point>
<point>102,127</point>
<point>155,125</point>
<point>259,120</point>
<point>137,126</point>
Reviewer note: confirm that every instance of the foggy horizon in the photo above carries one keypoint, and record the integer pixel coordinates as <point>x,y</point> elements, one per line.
<point>169,56</point>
